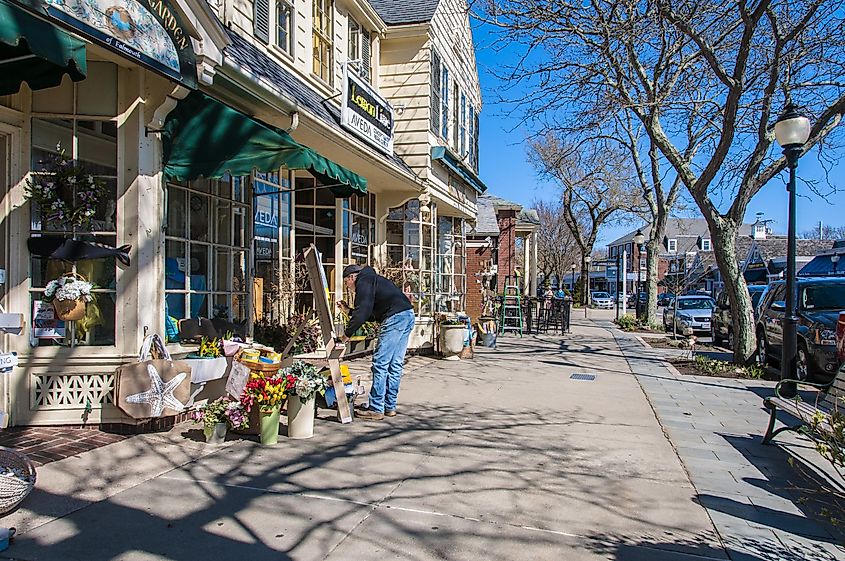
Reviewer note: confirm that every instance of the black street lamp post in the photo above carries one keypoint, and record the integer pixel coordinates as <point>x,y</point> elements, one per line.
<point>639,238</point>
<point>791,131</point>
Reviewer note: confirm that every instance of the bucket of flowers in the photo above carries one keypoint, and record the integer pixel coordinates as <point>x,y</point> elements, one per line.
<point>69,295</point>
<point>266,393</point>
<point>218,415</point>
<point>302,383</point>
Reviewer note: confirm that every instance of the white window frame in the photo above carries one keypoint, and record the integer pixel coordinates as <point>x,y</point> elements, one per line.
<point>322,37</point>
<point>287,48</point>
<point>706,245</point>
<point>672,245</point>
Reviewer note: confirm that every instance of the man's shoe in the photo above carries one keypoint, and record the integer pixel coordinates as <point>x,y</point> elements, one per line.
<point>369,415</point>
<point>390,413</point>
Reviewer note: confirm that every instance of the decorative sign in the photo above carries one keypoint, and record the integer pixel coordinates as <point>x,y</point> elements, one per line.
<point>365,113</point>
<point>150,32</point>
<point>8,361</point>
<point>45,325</point>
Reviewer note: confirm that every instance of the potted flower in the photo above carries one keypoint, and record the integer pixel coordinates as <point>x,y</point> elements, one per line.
<point>266,393</point>
<point>217,415</point>
<point>452,335</point>
<point>69,295</point>
<point>302,383</point>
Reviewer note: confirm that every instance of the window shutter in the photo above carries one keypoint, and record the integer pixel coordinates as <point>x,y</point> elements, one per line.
<point>261,20</point>
<point>475,141</point>
<point>365,55</point>
<point>435,91</point>
<point>444,103</point>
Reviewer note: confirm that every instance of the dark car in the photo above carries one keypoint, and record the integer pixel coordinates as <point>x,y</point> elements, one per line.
<point>818,303</point>
<point>664,298</point>
<point>722,326</point>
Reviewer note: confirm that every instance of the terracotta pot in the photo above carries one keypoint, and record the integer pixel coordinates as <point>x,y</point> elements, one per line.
<point>69,310</point>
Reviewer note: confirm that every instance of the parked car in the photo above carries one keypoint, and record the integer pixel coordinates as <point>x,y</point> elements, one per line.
<point>722,326</point>
<point>632,299</point>
<point>694,314</point>
<point>819,300</point>
<point>601,300</point>
<point>664,298</point>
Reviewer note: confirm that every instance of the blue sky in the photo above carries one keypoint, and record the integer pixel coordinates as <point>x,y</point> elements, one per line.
<point>508,174</point>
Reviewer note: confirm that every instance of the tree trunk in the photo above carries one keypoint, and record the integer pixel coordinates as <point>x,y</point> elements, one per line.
<point>742,314</point>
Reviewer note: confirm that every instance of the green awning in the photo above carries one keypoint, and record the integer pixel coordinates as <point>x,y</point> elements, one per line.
<point>458,168</point>
<point>205,138</point>
<point>36,52</point>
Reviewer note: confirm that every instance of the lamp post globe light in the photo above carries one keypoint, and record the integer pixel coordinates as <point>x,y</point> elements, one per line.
<point>639,239</point>
<point>792,130</point>
<point>587,260</point>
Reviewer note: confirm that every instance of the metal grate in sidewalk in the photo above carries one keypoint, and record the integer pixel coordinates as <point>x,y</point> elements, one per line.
<point>585,377</point>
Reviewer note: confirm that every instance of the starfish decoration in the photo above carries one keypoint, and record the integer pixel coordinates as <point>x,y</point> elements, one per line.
<point>160,395</point>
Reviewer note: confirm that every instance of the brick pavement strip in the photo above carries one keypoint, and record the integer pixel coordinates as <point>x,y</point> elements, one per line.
<point>748,488</point>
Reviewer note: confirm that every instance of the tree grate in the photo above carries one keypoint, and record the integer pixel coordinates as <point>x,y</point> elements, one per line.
<point>586,377</point>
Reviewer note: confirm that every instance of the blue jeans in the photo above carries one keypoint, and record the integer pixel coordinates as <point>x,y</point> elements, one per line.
<point>389,359</point>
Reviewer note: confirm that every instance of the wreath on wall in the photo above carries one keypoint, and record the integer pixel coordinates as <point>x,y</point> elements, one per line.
<point>65,192</point>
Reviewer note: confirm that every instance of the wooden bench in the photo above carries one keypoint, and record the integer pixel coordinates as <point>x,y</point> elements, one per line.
<point>831,398</point>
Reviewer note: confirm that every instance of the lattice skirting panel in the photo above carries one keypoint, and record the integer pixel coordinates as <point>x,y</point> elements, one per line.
<point>71,391</point>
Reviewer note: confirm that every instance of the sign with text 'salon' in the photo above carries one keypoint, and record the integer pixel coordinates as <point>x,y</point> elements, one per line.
<point>365,113</point>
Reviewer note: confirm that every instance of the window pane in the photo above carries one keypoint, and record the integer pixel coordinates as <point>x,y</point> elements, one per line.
<point>239,226</point>
<point>199,217</point>
<point>222,262</point>
<point>324,218</point>
<point>174,265</point>
<point>97,150</point>
<point>239,271</point>
<point>176,305</point>
<point>199,305</point>
<point>199,267</point>
<point>223,222</point>
<point>177,212</point>
<point>394,255</point>
<point>395,233</point>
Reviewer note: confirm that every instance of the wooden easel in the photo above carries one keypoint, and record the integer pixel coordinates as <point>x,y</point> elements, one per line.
<point>334,348</point>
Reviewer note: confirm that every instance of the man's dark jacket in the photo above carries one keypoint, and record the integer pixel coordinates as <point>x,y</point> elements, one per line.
<point>375,297</point>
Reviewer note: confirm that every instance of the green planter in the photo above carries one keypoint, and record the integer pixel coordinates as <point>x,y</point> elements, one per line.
<point>270,426</point>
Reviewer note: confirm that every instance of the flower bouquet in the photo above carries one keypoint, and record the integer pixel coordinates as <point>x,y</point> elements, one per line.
<point>69,294</point>
<point>216,415</point>
<point>266,393</point>
<point>302,383</point>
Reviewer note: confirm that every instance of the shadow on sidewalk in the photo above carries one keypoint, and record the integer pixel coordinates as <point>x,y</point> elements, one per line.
<point>277,503</point>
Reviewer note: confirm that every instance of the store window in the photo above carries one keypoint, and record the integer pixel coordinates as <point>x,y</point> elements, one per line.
<point>272,221</point>
<point>359,228</point>
<point>78,118</point>
<point>358,49</point>
<point>315,221</point>
<point>450,285</point>
<point>322,24</point>
<point>207,248</point>
<point>409,253</point>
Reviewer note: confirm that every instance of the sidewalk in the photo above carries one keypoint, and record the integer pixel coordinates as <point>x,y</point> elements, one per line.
<point>764,500</point>
<point>504,457</point>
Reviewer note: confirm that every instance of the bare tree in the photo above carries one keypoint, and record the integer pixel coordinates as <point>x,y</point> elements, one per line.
<point>823,232</point>
<point>556,248</point>
<point>595,186</point>
<point>708,73</point>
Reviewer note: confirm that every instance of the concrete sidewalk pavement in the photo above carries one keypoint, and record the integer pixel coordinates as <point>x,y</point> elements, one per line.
<point>502,457</point>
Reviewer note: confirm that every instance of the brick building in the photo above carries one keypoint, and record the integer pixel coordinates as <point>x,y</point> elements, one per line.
<point>503,239</point>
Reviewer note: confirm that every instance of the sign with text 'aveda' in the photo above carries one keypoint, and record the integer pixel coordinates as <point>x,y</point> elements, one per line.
<point>365,113</point>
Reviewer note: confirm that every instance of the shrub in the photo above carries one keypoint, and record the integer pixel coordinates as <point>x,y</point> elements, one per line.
<point>712,367</point>
<point>628,323</point>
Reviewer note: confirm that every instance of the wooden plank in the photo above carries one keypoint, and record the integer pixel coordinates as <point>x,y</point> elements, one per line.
<point>334,348</point>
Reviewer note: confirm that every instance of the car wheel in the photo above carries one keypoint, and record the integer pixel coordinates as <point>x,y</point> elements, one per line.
<point>803,367</point>
<point>714,334</point>
<point>762,350</point>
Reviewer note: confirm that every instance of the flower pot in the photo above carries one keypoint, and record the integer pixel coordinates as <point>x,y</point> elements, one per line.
<point>301,417</point>
<point>269,426</point>
<point>215,434</point>
<point>69,310</point>
<point>452,339</point>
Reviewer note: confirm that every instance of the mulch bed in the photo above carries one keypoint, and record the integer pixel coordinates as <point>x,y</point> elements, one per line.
<point>663,343</point>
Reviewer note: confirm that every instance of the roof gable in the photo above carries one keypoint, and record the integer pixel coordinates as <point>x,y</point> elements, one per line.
<point>395,12</point>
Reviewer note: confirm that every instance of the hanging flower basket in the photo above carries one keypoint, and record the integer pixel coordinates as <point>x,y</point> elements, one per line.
<point>69,295</point>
